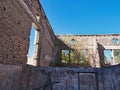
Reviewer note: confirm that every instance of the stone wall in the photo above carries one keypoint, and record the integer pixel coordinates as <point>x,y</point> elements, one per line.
<point>16,20</point>
<point>10,77</point>
<point>44,44</point>
<point>75,78</point>
<point>93,44</point>
<point>15,27</point>
<point>35,78</point>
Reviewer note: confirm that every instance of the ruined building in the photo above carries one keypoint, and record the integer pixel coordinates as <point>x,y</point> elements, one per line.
<point>16,19</point>
<point>93,46</point>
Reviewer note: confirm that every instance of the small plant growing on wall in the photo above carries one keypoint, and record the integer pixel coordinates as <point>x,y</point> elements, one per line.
<point>75,57</point>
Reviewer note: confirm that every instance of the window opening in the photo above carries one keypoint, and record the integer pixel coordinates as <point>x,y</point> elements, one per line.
<point>65,56</point>
<point>75,58</point>
<point>73,42</point>
<point>116,41</point>
<point>85,52</point>
<point>108,57</point>
<point>30,55</point>
<point>117,56</point>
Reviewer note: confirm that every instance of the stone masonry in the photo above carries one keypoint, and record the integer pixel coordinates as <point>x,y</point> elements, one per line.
<point>93,44</point>
<point>36,78</point>
<point>16,19</point>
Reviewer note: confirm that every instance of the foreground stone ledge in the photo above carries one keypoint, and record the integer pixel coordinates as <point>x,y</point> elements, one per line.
<point>14,77</point>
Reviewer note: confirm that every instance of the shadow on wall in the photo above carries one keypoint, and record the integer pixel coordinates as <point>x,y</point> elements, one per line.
<point>69,56</point>
<point>72,53</point>
<point>108,57</point>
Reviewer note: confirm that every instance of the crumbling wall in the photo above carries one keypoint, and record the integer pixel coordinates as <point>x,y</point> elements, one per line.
<point>35,78</point>
<point>44,46</point>
<point>75,78</point>
<point>93,44</point>
<point>16,20</point>
<point>15,27</point>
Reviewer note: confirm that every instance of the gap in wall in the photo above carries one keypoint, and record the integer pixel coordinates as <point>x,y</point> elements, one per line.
<point>108,56</point>
<point>117,56</point>
<point>30,55</point>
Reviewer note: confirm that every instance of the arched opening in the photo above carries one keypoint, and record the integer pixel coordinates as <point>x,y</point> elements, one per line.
<point>115,41</point>
<point>73,42</point>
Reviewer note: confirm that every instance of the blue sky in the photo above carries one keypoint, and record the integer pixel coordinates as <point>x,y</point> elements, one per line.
<point>31,45</point>
<point>83,16</point>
